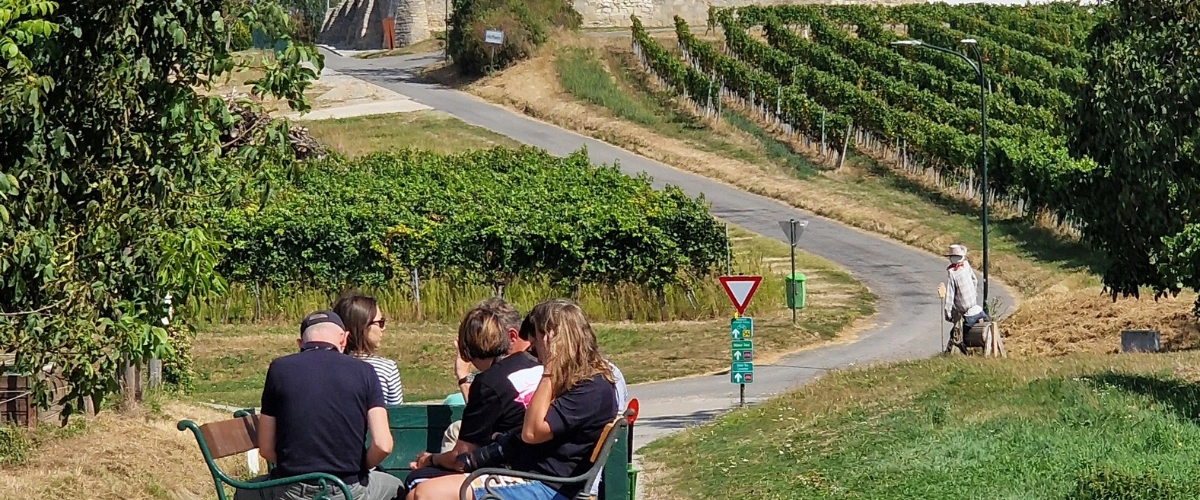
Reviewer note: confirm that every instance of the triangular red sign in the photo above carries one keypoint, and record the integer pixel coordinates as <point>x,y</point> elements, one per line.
<point>740,290</point>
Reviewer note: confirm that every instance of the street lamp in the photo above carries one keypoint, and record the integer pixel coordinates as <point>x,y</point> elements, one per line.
<point>978,67</point>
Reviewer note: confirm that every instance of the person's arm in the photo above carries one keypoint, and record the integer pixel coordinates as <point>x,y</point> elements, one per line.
<point>449,460</point>
<point>266,438</point>
<point>381,436</point>
<point>395,391</point>
<point>377,420</point>
<point>462,373</point>
<point>948,304</point>
<point>536,429</point>
<point>266,419</point>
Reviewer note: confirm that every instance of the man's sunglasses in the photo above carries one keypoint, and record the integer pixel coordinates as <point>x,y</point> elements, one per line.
<point>382,322</point>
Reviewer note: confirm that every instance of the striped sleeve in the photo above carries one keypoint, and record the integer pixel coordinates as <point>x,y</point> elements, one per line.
<point>389,378</point>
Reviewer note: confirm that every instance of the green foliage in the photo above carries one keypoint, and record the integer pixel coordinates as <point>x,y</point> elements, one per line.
<point>108,149</point>
<point>1139,118</point>
<point>14,446</point>
<point>239,36</point>
<point>526,26</point>
<point>486,217</point>
<point>581,74</point>
<point>1111,483</point>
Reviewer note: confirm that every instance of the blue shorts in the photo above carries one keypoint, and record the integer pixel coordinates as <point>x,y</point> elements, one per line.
<point>511,488</point>
<point>970,321</point>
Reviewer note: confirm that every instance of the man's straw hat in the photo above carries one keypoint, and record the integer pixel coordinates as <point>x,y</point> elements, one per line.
<point>956,251</point>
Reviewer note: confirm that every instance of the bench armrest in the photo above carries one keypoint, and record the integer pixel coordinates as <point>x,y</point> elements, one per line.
<point>491,495</point>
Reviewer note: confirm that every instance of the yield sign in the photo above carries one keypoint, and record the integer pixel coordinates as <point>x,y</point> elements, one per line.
<point>740,289</point>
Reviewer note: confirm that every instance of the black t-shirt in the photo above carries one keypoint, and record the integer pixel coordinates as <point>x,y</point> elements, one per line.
<point>320,398</point>
<point>576,419</point>
<point>498,396</point>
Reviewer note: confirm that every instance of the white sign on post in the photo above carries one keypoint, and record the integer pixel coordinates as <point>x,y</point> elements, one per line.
<point>494,37</point>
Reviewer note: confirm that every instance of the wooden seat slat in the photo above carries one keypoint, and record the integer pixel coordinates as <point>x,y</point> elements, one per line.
<point>231,437</point>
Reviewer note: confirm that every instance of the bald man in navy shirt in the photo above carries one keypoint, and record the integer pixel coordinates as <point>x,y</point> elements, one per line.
<point>317,406</point>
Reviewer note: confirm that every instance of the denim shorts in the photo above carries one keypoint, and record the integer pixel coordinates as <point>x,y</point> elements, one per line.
<point>511,488</point>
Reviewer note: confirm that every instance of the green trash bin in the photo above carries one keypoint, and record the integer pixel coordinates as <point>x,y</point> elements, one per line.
<point>795,288</point>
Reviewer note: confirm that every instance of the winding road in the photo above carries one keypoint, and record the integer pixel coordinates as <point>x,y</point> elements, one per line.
<point>904,279</point>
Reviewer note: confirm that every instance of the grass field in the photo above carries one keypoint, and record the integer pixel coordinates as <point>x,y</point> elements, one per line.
<point>433,130</point>
<point>231,360</point>
<point>952,428</point>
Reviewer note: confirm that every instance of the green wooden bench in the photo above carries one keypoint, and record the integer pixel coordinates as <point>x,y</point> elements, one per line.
<point>415,428</point>
<point>238,435</point>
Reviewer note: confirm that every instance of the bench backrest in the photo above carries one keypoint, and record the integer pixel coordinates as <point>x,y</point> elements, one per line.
<point>416,428</point>
<point>230,437</point>
<point>614,471</point>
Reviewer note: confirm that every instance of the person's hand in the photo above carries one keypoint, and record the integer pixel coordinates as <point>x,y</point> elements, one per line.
<point>461,367</point>
<point>423,459</point>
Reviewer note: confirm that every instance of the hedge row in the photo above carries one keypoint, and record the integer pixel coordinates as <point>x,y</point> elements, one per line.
<point>486,216</point>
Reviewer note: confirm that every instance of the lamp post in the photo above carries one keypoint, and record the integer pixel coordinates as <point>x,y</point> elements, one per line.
<point>978,67</point>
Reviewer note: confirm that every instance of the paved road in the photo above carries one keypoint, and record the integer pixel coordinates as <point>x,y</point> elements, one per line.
<point>904,279</point>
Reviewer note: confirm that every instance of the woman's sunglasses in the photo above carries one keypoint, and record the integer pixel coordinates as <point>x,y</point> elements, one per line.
<point>382,322</point>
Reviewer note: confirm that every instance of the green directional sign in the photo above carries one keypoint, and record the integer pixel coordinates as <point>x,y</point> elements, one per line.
<point>738,345</point>
<point>743,355</point>
<point>742,373</point>
<point>741,329</point>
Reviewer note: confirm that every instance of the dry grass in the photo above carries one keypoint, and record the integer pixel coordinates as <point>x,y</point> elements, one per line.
<point>121,456</point>
<point>421,47</point>
<point>1066,320</point>
<point>1062,309</point>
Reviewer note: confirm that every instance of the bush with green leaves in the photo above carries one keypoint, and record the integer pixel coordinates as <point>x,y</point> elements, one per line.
<point>1139,117</point>
<point>526,26</point>
<point>108,150</point>
<point>487,216</point>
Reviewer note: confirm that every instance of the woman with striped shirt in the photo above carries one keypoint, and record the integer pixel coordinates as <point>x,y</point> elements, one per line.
<point>365,323</point>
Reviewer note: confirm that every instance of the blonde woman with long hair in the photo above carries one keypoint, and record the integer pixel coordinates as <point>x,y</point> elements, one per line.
<point>574,400</point>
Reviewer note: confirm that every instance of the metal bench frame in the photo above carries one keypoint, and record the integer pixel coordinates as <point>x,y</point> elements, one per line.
<point>323,480</point>
<point>619,426</point>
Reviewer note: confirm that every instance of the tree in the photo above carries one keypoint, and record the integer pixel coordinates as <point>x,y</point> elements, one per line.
<point>1138,118</point>
<point>108,147</point>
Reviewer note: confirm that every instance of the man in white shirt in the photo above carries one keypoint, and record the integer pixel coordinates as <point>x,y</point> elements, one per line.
<point>962,301</point>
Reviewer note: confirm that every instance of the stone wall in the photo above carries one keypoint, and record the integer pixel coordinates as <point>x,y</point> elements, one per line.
<point>437,13</point>
<point>355,24</point>
<point>654,13</point>
<point>412,22</point>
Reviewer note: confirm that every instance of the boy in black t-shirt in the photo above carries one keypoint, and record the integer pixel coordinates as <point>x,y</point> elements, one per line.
<point>497,397</point>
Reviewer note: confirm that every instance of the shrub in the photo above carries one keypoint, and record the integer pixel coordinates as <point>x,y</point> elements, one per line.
<point>239,36</point>
<point>14,446</point>
<point>526,25</point>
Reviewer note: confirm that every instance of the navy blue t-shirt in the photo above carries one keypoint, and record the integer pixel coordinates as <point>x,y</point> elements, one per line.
<point>320,398</point>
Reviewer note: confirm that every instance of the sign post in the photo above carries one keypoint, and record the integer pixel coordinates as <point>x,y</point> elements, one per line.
<point>493,38</point>
<point>793,229</point>
<point>740,290</point>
